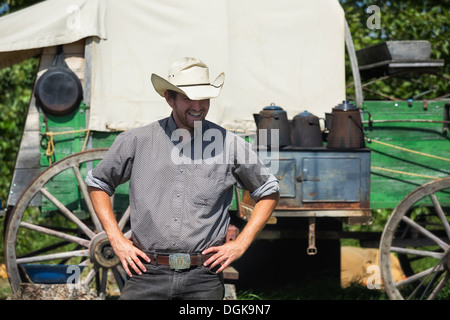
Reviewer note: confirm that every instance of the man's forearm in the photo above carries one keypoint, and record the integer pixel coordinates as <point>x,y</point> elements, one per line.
<point>128,254</point>
<point>103,208</point>
<point>260,215</point>
<point>233,250</point>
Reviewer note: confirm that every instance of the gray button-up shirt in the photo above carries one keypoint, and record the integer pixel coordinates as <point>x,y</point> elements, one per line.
<point>180,189</point>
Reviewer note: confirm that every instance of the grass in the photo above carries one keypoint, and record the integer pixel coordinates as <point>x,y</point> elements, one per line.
<point>314,290</point>
<point>5,289</point>
<point>318,290</point>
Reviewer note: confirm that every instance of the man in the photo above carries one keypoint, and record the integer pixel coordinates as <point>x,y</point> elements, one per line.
<point>181,186</point>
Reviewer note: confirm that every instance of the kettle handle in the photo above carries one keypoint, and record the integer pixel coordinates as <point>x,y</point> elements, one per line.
<point>324,125</point>
<point>59,58</point>
<point>370,117</point>
<point>360,128</point>
<point>257,117</point>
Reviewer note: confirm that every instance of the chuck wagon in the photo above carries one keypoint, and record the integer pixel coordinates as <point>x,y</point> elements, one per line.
<point>93,82</point>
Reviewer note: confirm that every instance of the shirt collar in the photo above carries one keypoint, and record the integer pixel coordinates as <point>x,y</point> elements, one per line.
<point>172,126</point>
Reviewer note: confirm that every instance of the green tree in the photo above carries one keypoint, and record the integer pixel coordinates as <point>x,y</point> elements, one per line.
<point>403,20</point>
<point>15,5</point>
<point>16,83</point>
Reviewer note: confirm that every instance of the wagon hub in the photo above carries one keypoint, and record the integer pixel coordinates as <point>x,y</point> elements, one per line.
<point>101,251</point>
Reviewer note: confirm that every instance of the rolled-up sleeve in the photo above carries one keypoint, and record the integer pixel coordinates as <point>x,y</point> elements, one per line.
<point>92,181</point>
<point>271,186</point>
<point>115,168</point>
<point>250,172</point>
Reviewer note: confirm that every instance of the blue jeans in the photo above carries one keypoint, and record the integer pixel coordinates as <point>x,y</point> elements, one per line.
<point>162,283</point>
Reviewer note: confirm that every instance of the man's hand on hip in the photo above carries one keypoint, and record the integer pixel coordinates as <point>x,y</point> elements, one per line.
<point>129,255</point>
<point>224,255</point>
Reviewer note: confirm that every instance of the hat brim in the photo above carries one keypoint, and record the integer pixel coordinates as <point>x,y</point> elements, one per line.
<point>193,92</point>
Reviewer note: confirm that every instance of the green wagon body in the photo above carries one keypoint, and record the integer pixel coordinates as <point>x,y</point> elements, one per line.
<point>416,134</point>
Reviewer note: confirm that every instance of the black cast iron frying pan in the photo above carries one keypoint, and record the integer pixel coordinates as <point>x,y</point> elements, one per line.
<point>58,91</point>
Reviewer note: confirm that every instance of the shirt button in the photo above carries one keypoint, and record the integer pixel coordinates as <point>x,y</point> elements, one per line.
<point>178,195</point>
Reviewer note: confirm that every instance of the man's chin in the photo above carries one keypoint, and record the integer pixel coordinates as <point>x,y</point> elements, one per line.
<point>194,123</point>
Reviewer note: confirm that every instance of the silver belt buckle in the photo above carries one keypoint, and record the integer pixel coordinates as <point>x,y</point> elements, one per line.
<point>179,261</point>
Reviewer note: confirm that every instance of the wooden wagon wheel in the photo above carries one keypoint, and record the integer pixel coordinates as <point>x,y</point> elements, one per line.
<point>68,238</point>
<point>428,244</point>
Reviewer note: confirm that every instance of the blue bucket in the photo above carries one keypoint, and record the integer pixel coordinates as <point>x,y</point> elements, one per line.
<point>51,274</point>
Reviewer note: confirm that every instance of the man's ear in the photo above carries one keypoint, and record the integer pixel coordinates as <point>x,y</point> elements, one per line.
<point>169,98</point>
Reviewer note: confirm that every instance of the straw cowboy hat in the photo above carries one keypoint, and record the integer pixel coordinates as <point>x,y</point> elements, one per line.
<point>189,76</point>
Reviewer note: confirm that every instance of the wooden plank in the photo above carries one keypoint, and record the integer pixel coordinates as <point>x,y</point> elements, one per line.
<point>230,273</point>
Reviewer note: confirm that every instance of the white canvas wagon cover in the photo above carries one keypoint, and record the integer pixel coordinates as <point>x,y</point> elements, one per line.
<point>287,52</point>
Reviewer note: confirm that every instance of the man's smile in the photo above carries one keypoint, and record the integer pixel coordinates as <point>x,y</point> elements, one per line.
<point>195,114</point>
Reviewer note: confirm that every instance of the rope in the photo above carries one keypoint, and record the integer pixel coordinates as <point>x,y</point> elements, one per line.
<point>51,144</point>
<point>409,150</point>
<point>405,173</point>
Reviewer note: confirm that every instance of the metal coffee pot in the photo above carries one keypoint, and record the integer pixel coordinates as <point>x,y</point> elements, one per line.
<point>273,118</point>
<point>306,130</point>
<point>346,130</point>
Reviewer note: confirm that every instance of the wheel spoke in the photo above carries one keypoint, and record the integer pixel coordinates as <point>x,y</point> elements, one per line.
<point>430,284</point>
<point>78,234</point>
<point>440,213</point>
<point>425,232</point>
<point>104,282</point>
<point>124,219</point>
<point>118,275</point>
<point>90,276</point>
<point>87,198</point>
<point>44,249</point>
<point>436,273</point>
<point>127,234</point>
<point>419,243</point>
<point>85,262</point>
<point>439,287</point>
<point>54,233</point>
<point>52,256</point>
<point>417,276</point>
<point>67,213</point>
<point>423,253</point>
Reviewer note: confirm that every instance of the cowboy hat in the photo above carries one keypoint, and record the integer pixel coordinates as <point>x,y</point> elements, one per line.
<point>189,76</point>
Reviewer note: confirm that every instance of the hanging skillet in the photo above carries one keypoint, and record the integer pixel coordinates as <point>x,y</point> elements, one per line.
<point>58,91</point>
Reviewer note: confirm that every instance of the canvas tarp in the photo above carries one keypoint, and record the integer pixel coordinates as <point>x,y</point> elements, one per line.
<point>49,23</point>
<point>289,52</point>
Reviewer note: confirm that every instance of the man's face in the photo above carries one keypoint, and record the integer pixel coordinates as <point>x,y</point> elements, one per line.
<point>187,111</point>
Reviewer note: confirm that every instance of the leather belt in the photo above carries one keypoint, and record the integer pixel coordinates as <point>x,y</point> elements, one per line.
<point>179,261</point>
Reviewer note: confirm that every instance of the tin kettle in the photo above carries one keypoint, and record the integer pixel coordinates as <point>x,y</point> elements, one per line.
<point>273,118</point>
<point>306,130</point>
<point>346,130</point>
